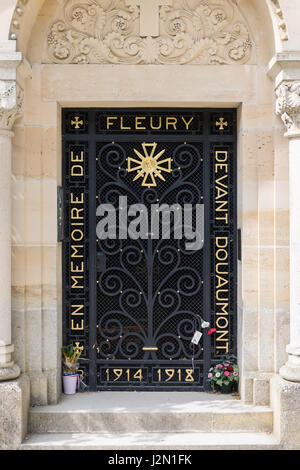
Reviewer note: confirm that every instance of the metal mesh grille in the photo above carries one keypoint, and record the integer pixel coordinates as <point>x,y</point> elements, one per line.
<point>141,297</point>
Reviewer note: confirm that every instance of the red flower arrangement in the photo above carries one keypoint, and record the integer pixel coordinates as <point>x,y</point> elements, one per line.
<point>225,373</point>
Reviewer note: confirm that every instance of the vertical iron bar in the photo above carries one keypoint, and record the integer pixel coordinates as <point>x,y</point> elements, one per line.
<point>92,258</point>
<point>207,241</point>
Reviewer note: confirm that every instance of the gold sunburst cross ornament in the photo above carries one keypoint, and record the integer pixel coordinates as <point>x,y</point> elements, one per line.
<point>150,165</point>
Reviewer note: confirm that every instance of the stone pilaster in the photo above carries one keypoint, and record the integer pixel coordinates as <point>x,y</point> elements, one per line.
<point>11,106</point>
<point>288,107</point>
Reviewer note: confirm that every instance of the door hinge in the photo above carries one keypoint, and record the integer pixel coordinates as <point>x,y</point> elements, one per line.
<point>60,231</point>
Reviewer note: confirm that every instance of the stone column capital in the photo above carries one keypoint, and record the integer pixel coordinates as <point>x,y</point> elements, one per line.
<point>11,104</point>
<point>288,106</point>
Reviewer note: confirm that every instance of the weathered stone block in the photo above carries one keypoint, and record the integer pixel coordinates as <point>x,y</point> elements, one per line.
<point>14,405</point>
<point>286,407</point>
<point>38,387</point>
<point>261,392</point>
<point>247,390</point>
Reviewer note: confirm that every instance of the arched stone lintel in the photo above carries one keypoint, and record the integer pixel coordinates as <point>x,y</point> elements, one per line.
<point>17,18</point>
<point>281,31</point>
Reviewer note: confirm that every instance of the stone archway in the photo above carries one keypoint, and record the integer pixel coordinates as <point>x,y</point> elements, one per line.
<point>51,82</point>
<point>18,18</point>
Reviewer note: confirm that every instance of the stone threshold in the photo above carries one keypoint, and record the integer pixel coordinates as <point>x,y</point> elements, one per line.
<point>149,412</point>
<point>151,441</point>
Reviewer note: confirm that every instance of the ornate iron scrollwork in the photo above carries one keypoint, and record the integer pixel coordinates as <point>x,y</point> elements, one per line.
<point>144,295</point>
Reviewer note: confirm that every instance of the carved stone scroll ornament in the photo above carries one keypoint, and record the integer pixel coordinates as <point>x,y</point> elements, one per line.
<point>282,27</point>
<point>288,105</point>
<point>11,103</point>
<point>108,31</point>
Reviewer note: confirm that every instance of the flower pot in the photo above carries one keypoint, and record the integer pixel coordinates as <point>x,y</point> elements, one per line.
<point>226,389</point>
<point>70,384</point>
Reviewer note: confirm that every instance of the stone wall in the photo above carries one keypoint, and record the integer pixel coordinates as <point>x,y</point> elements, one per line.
<point>263,179</point>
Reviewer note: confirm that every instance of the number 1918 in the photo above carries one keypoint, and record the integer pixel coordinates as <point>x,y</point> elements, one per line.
<point>174,375</point>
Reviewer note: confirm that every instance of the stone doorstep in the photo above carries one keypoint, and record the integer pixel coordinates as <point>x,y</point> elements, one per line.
<point>123,412</point>
<point>151,441</point>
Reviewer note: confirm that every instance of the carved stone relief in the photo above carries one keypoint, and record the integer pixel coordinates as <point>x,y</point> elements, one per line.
<point>11,103</point>
<point>110,31</point>
<point>288,105</point>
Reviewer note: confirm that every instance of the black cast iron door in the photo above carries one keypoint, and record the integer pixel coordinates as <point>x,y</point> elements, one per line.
<point>132,303</point>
